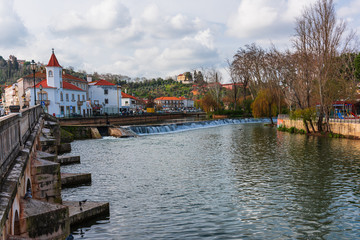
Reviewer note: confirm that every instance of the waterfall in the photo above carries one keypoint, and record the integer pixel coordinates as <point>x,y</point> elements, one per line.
<point>179,127</point>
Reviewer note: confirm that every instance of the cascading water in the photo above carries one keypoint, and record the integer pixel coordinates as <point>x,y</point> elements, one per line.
<point>161,129</point>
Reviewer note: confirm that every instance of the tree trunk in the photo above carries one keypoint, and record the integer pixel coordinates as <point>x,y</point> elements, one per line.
<point>272,122</point>
<point>306,126</point>
<point>312,125</point>
<point>320,121</point>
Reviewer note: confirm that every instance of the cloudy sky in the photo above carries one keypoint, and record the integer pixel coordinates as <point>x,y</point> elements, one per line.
<point>149,38</point>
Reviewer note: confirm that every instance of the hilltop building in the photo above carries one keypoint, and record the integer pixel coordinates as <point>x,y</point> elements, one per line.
<point>185,78</point>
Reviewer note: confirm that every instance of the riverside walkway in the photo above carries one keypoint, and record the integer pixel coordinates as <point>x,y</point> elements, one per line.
<point>31,205</point>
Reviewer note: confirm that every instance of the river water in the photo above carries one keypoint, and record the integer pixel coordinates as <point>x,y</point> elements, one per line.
<point>242,181</point>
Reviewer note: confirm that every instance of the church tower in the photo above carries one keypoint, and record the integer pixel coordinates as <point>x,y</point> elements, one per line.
<point>54,72</point>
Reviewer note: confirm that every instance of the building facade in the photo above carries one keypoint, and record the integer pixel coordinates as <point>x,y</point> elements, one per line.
<point>105,97</point>
<point>57,96</point>
<point>174,103</point>
<point>130,103</point>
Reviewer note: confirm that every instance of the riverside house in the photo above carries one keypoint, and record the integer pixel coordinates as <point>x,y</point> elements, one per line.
<point>58,97</point>
<point>105,97</point>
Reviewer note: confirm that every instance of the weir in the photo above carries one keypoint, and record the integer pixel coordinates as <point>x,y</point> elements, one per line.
<point>178,127</point>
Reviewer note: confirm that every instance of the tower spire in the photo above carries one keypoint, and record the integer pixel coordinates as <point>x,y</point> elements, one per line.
<point>52,50</point>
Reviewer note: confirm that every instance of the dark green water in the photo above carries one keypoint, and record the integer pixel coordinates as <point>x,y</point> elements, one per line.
<point>242,181</point>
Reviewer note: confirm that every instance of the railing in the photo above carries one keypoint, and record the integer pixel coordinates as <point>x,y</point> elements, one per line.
<point>47,102</point>
<point>339,120</point>
<point>15,128</point>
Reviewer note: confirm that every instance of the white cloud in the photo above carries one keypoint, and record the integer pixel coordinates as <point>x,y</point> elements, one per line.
<point>12,29</point>
<point>163,26</point>
<point>252,16</point>
<point>148,38</point>
<point>106,16</point>
<point>182,55</point>
<point>351,9</point>
<point>265,19</point>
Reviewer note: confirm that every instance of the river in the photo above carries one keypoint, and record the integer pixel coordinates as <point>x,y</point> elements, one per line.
<point>239,181</point>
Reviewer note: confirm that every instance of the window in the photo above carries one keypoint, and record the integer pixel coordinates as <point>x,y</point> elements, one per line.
<point>67,97</point>
<point>106,101</point>
<point>105,91</point>
<point>73,97</point>
<point>61,96</point>
<point>42,96</point>
<point>62,110</point>
<point>83,97</point>
<point>79,97</point>
<point>67,110</point>
<point>50,73</point>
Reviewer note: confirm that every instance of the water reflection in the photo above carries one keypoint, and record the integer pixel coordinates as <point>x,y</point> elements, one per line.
<point>238,181</point>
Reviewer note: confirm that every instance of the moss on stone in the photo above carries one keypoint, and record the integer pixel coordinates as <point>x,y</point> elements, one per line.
<point>79,132</point>
<point>66,137</point>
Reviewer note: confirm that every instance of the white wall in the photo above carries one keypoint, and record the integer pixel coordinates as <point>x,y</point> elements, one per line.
<point>97,93</point>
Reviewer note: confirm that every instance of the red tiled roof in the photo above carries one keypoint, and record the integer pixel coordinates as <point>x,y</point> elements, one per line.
<point>66,85</point>
<point>125,95</point>
<point>37,75</point>
<point>71,77</point>
<point>70,86</point>
<point>103,82</point>
<point>53,62</point>
<point>168,98</point>
<point>64,76</point>
<point>43,84</point>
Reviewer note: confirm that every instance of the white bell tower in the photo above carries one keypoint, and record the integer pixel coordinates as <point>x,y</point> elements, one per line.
<point>54,72</point>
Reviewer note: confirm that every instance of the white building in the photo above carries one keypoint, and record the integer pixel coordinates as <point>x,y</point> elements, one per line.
<point>130,103</point>
<point>105,97</point>
<point>58,97</point>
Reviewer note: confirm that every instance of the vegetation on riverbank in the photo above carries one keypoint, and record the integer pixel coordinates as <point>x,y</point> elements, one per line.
<point>302,131</point>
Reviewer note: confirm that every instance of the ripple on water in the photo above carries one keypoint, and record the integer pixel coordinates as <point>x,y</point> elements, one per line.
<point>231,182</point>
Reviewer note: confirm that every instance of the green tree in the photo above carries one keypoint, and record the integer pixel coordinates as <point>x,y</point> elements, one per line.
<point>265,105</point>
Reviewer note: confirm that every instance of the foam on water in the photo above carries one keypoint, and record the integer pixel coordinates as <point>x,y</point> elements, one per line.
<point>179,127</point>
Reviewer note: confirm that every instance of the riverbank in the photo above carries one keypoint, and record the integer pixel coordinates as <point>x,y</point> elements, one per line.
<point>339,129</point>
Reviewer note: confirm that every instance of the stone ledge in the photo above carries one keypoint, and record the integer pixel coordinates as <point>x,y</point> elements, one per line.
<point>66,160</point>
<point>75,179</point>
<point>89,210</point>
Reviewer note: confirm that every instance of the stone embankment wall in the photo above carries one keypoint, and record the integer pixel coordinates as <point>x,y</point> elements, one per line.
<point>346,127</point>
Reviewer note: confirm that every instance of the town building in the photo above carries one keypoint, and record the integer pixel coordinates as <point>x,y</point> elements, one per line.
<point>185,78</point>
<point>57,96</point>
<point>11,96</point>
<point>174,103</point>
<point>231,86</point>
<point>105,97</point>
<point>130,103</point>
<point>28,82</point>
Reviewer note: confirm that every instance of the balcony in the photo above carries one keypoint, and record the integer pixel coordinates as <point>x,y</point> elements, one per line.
<point>47,102</point>
<point>80,103</point>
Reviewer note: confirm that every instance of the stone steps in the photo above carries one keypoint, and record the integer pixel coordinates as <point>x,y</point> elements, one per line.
<point>42,219</point>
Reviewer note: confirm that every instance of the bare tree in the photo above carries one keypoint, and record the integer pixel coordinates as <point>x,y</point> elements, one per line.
<point>319,40</point>
<point>213,78</point>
